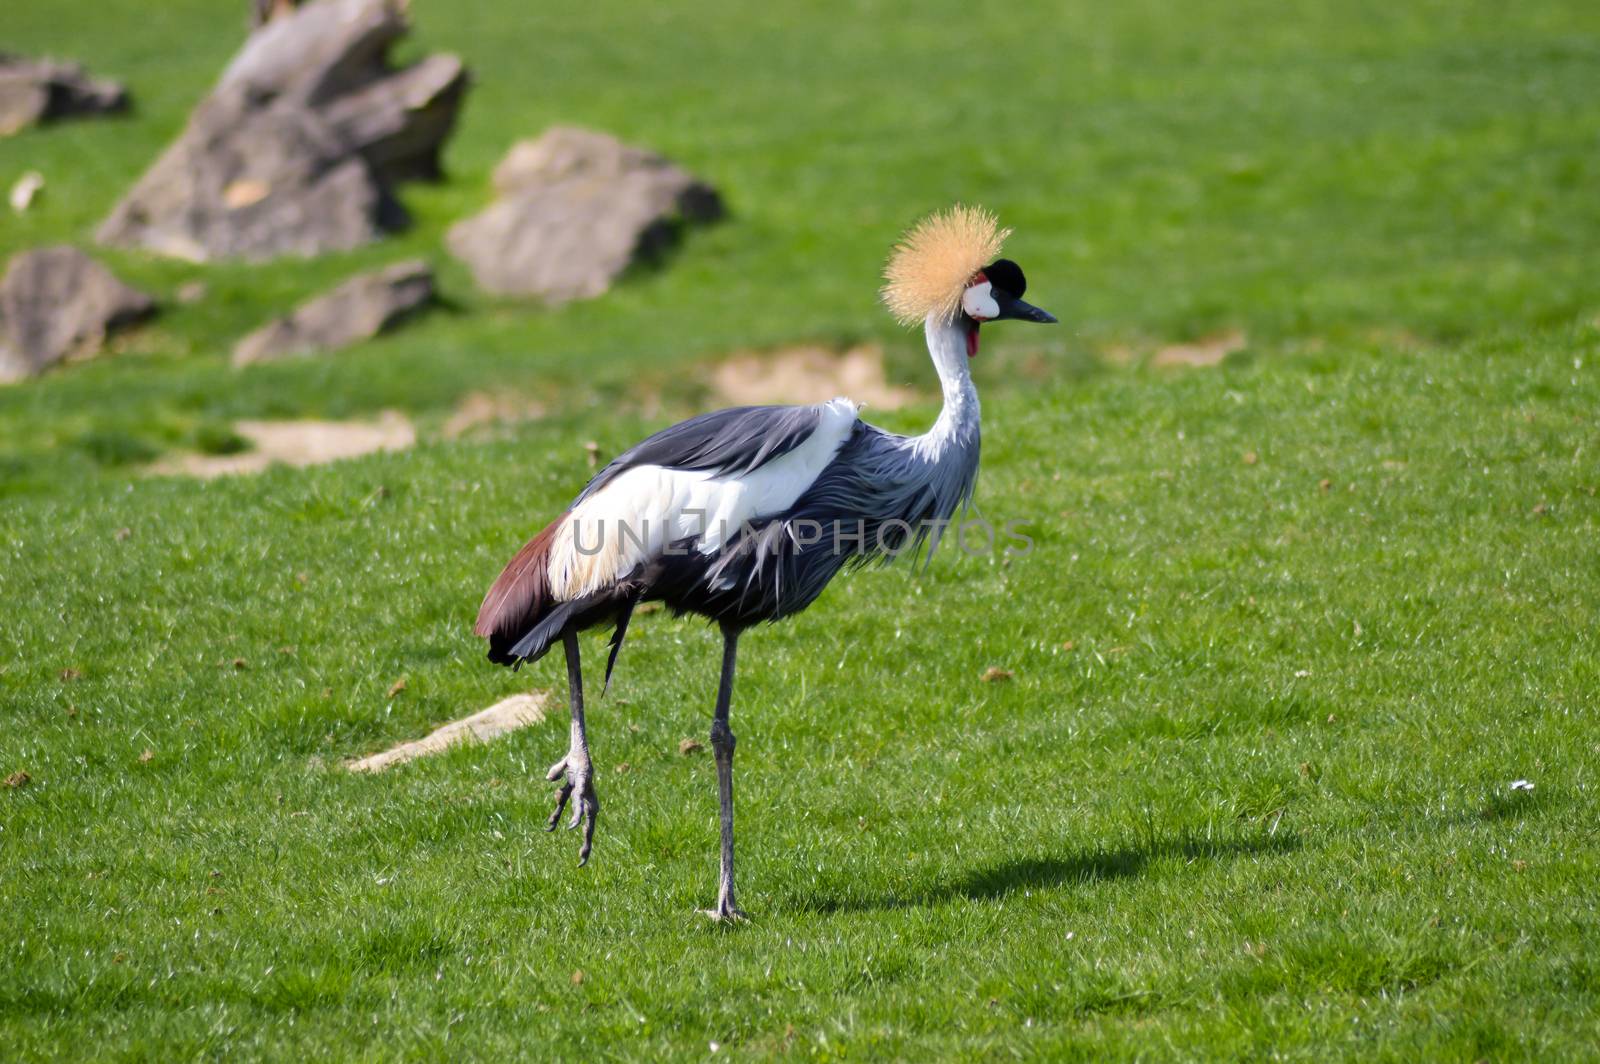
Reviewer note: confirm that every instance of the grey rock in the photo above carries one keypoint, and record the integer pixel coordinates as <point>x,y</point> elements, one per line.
<point>575,209</point>
<point>356,310</point>
<point>57,303</point>
<point>42,90</point>
<point>297,148</point>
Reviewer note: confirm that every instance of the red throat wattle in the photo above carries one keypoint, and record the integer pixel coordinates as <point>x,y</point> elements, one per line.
<point>972,339</point>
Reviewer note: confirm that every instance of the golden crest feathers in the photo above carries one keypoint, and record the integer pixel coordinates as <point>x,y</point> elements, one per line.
<point>931,265</point>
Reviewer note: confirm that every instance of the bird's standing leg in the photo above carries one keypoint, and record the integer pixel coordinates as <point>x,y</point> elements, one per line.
<point>722,743</point>
<point>578,772</point>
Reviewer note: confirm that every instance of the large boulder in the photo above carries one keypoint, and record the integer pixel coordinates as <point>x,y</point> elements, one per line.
<point>57,303</point>
<point>42,90</point>
<point>358,309</point>
<point>299,145</point>
<point>575,209</point>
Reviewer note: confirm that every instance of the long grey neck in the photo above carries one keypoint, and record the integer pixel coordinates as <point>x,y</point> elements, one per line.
<point>958,421</point>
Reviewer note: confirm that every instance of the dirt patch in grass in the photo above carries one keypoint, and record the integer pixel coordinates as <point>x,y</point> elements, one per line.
<point>504,716</point>
<point>808,375</point>
<point>295,443</point>
<point>1206,351</point>
<point>484,410</point>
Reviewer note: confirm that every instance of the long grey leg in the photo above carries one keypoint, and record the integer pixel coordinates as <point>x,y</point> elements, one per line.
<point>722,743</point>
<point>575,767</point>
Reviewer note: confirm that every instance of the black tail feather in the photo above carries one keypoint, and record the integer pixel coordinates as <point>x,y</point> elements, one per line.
<point>539,639</point>
<point>520,645</point>
<point>623,617</point>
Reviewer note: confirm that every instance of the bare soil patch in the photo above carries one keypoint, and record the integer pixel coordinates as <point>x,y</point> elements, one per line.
<point>296,443</point>
<point>504,716</point>
<point>808,375</point>
<point>480,411</point>
<point>1206,351</point>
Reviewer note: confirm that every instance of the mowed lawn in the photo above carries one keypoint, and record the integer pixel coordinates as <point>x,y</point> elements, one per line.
<point>1291,628</point>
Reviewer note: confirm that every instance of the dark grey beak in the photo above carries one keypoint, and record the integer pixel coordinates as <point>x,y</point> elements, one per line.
<point>1015,309</point>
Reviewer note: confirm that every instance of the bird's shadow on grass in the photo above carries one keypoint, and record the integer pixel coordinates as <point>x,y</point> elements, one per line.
<point>1016,874</point>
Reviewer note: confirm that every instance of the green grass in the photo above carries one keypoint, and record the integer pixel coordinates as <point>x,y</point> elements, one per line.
<point>1261,807</point>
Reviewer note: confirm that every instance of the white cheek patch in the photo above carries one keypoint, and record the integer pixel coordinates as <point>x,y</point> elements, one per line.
<point>978,302</point>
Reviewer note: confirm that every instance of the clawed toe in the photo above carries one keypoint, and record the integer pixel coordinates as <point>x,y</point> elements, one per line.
<point>561,803</point>
<point>557,771</point>
<point>725,913</point>
<point>591,810</point>
<point>579,778</point>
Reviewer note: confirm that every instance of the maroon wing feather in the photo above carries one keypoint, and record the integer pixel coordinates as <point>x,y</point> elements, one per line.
<point>522,591</point>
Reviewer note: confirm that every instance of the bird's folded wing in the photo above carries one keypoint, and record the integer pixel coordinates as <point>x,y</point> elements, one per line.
<point>695,483</point>
<point>730,441</point>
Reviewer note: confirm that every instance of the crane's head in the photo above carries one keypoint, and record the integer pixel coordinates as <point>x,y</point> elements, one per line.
<point>995,294</point>
<point>937,274</point>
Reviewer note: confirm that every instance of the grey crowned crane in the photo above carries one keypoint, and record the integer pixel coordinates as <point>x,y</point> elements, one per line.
<point>744,515</point>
